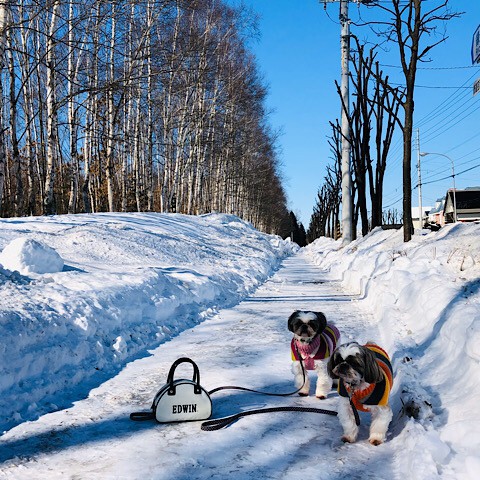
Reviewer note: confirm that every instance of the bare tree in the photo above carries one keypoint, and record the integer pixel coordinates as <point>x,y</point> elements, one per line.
<point>386,103</point>
<point>52,140</point>
<point>4,15</point>
<point>134,105</point>
<point>372,119</point>
<point>410,22</point>
<point>325,218</point>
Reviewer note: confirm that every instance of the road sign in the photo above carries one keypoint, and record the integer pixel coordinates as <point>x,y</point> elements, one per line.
<point>476,86</point>
<point>476,46</point>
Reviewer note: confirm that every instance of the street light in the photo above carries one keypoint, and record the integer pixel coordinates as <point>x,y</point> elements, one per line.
<point>423,154</point>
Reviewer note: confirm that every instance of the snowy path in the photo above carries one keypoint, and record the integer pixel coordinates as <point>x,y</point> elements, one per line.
<point>247,345</point>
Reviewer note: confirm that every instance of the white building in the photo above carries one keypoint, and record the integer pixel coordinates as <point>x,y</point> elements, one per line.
<point>416,219</point>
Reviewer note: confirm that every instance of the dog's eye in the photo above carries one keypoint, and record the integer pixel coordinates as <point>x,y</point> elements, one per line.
<point>353,362</point>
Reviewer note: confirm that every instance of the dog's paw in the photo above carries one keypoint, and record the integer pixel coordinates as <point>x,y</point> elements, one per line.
<point>348,439</point>
<point>376,439</point>
<point>303,394</point>
<point>321,397</point>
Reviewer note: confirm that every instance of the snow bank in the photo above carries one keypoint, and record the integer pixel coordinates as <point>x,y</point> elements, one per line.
<point>81,295</point>
<point>26,256</point>
<point>425,295</point>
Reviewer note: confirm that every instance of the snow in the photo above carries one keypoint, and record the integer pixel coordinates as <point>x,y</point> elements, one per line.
<point>26,255</point>
<point>94,309</point>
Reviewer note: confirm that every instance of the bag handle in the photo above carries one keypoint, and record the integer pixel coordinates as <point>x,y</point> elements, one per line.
<point>141,416</point>
<point>196,375</point>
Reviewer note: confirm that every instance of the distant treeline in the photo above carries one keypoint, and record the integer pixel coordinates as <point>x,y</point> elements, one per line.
<point>139,105</point>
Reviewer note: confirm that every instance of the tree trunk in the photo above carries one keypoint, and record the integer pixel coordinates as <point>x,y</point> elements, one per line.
<point>72,121</point>
<point>110,168</point>
<point>52,141</point>
<point>17,172</point>
<point>4,15</point>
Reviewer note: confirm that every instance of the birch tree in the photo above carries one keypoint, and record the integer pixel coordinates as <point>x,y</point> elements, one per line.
<point>134,105</point>
<point>52,141</point>
<point>4,15</point>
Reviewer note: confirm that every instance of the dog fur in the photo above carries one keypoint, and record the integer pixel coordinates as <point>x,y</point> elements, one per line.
<point>311,328</point>
<point>359,368</point>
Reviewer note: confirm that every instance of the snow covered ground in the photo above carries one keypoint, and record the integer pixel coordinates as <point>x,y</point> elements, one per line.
<point>101,305</point>
<point>124,283</point>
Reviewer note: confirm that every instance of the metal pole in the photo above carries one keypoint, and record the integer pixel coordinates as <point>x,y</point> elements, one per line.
<point>347,218</point>
<point>420,208</point>
<point>454,193</point>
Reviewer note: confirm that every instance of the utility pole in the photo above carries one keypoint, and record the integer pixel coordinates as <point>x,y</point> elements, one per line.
<point>347,204</point>
<point>420,213</point>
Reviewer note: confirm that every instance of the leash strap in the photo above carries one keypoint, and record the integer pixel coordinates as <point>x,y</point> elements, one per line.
<point>219,423</point>
<point>244,389</point>
<point>355,412</point>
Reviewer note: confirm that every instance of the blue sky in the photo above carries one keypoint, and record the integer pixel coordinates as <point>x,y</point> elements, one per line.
<point>298,53</point>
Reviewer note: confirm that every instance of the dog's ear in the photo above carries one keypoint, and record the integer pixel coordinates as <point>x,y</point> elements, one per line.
<point>373,372</point>
<point>322,320</point>
<point>331,364</point>
<point>291,319</point>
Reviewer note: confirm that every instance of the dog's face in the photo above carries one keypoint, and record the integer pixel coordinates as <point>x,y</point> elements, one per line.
<point>354,364</point>
<point>306,325</point>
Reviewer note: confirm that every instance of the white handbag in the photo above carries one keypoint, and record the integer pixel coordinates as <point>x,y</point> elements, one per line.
<point>186,400</point>
<point>179,400</point>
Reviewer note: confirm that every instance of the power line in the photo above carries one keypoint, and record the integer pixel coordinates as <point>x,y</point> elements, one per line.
<point>452,99</point>
<point>445,87</point>
<point>451,176</point>
<point>444,108</point>
<point>446,177</point>
<point>433,68</point>
<point>462,115</point>
<point>444,128</point>
<point>394,203</point>
<point>475,136</point>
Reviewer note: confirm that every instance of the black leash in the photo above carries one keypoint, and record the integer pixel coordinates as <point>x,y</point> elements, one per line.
<point>218,423</point>
<point>272,394</point>
<point>355,412</point>
<point>245,389</point>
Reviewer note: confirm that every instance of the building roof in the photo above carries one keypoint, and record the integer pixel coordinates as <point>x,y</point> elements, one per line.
<point>467,199</point>
<point>439,205</point>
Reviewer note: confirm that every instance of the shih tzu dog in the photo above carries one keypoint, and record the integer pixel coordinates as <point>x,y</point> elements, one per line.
<point>365,376</point>
<point>314,340</point>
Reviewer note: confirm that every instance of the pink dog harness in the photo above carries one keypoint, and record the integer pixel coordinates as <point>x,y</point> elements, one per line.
<point>320,348</point>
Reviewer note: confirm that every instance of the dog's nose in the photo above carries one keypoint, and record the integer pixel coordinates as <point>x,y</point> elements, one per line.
<point>343,367</point>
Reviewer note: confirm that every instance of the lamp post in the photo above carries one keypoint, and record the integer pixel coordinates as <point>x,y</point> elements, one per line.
<point>423,154</point>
